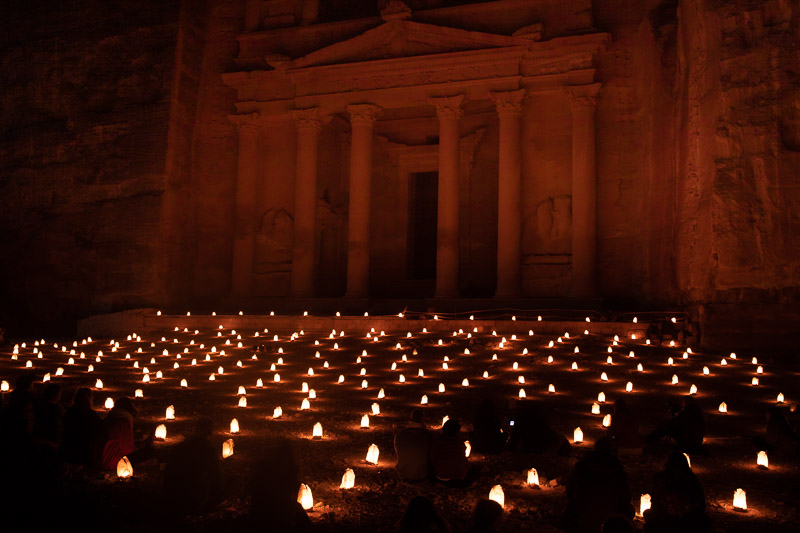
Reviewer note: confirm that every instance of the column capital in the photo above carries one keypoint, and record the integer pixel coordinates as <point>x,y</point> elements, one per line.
<point>307,119</point>
<point>508,102</point>
<point>582,95</point>
<point>363,113</point>
<point>246,119</point>
<point>448,106</point>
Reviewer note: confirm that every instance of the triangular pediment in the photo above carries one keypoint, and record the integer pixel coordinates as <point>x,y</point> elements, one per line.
<point>404,38</point>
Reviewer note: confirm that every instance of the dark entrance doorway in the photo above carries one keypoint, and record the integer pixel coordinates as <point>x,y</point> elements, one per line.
<point>423,190</point>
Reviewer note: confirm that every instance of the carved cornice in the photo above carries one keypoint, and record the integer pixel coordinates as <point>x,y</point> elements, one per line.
<point>363,113</point>
<point>583,95</point>
<point>246,120</point>
<point>307,119</point>
<point>509,103</point>
<point>448,106</point>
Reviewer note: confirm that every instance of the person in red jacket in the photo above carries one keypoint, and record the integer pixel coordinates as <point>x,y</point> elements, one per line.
<point>117,437</point>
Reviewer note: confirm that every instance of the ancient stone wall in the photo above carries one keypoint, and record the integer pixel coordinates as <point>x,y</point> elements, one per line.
<point>84,114</point>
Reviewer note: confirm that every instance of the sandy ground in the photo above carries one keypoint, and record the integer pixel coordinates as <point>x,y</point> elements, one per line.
<point>379,498</point>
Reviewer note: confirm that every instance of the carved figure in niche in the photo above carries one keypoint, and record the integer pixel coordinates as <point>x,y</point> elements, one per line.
<point>274,239</point>
<point>554,225</point>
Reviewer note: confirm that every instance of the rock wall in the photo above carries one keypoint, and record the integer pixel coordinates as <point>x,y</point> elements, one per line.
<point>698,143</point>
<point>84,116</point>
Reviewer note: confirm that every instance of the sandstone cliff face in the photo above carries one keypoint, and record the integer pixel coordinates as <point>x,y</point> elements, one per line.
<point>698,143</point>
<point>83,127</point>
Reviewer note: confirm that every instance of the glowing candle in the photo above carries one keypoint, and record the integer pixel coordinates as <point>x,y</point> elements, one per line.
<point>601,397</point>
<point>170,413</point>
<point>723,407</point>
<point>467,448</point>
<point>138,393</point>
<point>595,408</point>
<point>348,479</point>
<point>424,399</point>
<point>533,478</point>
<point>603,377</point>
<point>496,494</point>
<point>227,448</point>
<point>304,497</point>
<point>317,431</point>
<point>124,468</point>
<point>644,504</point>
<point>242,401</point>
<point>372,454</point>
<point>522,393</point>
<point>465,382</point>
<point>577,435</point>
<point>705,371</point>
<point>109,403</point>
<point>551,388</point>
<point>277,412</point>
<point>762,459</point>
<point>305,405</point>
<point>755,382</point>
<point>780,397</point>
<point>441,387</point>
<point>365,421</point>
<point>693,389</point>
<point>740,500</point>
<point>402,378</point>
<point>606,421</point>
<point>629,387</point>
<point>376,409</point>
<point>674,379</point>
<point>98,384</point>
<point>364,384</point>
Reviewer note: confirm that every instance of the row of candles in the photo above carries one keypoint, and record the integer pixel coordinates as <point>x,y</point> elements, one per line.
<point>317,430</point>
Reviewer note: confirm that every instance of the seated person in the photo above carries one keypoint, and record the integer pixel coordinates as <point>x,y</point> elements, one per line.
<point>487,517</point>
<point>82,428</point>
<point>677,499</point>
<point>448,455</point>
<point>779,438</point>
<point>487,435</point>
<point>532,432</point>
<point>624,429</point>
<point>117,437</point>
<point>686,428</point>
<point>192,473</point>
<point>412,444</point>
<point>421,517</point>
<point>273,490</point>
<point>597,489</point>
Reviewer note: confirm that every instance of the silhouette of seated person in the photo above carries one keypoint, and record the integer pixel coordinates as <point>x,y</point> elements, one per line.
<point>448,456</point>
<point>618,524</point>
<point>487,517</point>
<point>421,517</point>
<point>677,502</point>
<point>192,473</point>
<point>487,435</point>
<point>532,433</point>
<point>779,438</point>
<point>273,490</point>
<point>49,417</point>
<point>82,430</point>
<point>624,429</point>
<point>118,439</point>
<point>16,428</point>
<point>412,445</point>
<point>686,427</point>
<point>597,489</point>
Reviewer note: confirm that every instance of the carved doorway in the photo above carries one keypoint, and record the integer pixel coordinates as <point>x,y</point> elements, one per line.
<point>423,198</point>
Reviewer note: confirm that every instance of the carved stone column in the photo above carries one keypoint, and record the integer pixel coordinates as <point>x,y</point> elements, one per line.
<point>583,101</point>
<point>448,109</point>
<point>308,128</point>
<point>509,203</point>
<point>362,121</point>
<point>247,170</point>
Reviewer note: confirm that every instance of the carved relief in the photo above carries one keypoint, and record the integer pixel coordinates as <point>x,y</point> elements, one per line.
<point>273,253</point>
<point>554,225</point>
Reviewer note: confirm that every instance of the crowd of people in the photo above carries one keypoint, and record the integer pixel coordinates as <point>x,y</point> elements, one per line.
<point>41,438</point>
